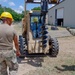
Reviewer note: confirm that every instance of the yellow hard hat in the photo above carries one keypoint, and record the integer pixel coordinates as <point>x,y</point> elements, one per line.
<point>6,15</point>
<point>35,19</point>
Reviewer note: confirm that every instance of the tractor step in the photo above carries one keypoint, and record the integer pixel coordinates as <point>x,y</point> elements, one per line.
<point>26,54</point>
<point>36,55</point>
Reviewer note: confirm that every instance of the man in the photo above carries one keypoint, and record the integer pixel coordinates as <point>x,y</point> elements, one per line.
<point>7,54</point>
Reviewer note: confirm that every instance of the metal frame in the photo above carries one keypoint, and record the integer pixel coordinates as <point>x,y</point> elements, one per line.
<point>50,1</point>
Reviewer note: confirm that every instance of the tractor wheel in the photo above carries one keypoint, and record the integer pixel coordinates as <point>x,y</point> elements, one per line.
<point>54,50</point>
<point>22,45</point>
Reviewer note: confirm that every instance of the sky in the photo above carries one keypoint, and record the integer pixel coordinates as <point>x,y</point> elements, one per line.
<point>18,5</point>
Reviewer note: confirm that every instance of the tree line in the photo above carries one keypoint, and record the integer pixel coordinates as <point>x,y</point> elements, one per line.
<point>16,16</point>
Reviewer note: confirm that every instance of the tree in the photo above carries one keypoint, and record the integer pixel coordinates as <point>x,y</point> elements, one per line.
<point>16,16</point>
<point>36,8</point>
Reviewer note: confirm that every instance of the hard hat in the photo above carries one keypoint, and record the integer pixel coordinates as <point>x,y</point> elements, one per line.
<point>6,15</point>
<point>35,19</point>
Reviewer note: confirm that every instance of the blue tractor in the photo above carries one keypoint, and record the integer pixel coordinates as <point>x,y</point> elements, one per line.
<point>35,38</point>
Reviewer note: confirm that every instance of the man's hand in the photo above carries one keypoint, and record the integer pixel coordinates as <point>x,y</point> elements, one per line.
<point>18,53</point>
<point>17,46</point>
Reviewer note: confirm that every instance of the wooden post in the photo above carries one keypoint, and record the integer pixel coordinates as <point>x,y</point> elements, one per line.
<point>25,7</point>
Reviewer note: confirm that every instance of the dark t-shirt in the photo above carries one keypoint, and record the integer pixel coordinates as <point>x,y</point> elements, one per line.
<point>7,34</point>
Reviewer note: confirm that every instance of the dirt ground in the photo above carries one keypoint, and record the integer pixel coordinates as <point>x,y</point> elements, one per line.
<point>63,64</point>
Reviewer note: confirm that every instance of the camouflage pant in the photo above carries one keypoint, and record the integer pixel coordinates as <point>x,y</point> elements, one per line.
<point>8,59</point>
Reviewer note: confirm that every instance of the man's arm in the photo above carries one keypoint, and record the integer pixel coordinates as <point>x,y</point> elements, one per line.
<point>16,45</point>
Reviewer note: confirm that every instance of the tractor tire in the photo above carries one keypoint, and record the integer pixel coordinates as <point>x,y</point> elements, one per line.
<point>22,47</point>
<point>54,50</point>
